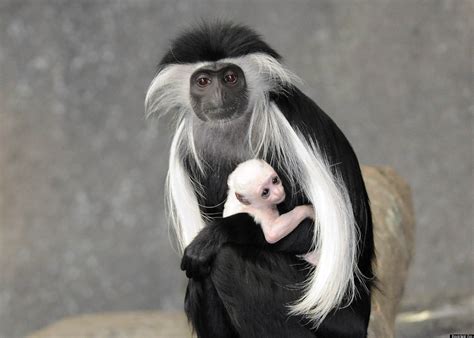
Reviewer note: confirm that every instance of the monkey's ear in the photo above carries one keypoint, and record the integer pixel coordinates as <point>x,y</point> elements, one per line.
<point>242,199</point>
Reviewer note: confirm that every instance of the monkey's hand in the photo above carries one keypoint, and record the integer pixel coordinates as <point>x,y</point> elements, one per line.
<point>198,255</point>
<point>237,229</point>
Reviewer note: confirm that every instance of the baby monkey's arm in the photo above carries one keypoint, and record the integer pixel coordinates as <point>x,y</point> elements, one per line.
<point>275,228</point>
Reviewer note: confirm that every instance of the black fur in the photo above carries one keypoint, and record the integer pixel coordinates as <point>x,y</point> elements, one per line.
<point>212,42</point>
<point>240,285</point>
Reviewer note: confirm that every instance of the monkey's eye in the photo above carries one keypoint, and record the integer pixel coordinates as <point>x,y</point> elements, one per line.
<point>230,78</point>
<point>275,180</point>
<point>265,193</point>
<point>203,81</point>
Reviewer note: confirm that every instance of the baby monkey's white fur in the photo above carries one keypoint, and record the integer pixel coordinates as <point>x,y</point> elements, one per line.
<point>256,189</point>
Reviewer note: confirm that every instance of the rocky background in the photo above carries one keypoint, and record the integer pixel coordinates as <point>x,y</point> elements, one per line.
<point>81,171</point>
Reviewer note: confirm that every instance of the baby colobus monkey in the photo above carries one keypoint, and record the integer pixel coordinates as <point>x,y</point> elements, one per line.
<point>256,188</point>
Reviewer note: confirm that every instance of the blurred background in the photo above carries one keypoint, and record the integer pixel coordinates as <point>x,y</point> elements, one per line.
<point>82,227</point>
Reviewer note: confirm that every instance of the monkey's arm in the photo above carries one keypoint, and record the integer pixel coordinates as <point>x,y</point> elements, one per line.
<point>238,229</point>
<point>277,228</point>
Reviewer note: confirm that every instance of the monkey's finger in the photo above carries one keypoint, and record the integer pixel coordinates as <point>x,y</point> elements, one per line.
<point>184,261</point>
<point>192,268</point>
<point>187,263</point>
<point>183,264</point>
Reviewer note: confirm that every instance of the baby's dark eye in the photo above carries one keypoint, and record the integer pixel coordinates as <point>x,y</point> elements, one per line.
<point>276,180</point>
<point>265,192</point>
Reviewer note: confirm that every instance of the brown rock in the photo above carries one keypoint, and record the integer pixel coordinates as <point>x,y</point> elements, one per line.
<point>157,324</point>
<point>392,212</point>
<point>394,240</point>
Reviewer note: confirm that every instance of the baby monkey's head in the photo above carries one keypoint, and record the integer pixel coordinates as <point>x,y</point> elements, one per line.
<point>255,182</point>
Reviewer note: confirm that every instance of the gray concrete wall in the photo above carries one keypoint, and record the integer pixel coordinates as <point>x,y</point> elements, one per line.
<point>81,172</point>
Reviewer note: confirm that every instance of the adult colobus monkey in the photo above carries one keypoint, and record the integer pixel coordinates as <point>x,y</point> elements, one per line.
<point>233,100</point>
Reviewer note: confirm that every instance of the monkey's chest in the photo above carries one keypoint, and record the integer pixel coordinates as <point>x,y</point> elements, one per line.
<point>214,189</point>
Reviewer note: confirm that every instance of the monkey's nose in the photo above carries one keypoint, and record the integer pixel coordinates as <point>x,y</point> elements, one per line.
<point>216,99</point>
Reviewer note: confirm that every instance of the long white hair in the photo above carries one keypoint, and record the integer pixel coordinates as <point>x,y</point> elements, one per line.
<point>331,283</point>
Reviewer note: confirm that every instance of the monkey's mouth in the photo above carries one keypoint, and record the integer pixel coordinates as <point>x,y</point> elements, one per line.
<point>217,112</point>
<point>219,115</point>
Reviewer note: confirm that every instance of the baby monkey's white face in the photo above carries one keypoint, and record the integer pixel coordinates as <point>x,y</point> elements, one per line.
<point>267,189</point>
<point>256,183</point>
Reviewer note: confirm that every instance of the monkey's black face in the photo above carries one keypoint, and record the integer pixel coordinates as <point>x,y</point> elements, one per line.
<point>218,92</point>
